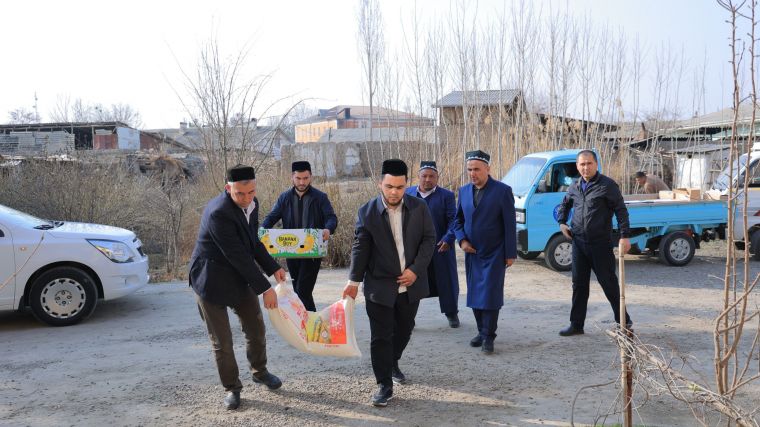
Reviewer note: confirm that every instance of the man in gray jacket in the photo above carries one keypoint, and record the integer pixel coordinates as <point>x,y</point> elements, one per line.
<point>393,245</point>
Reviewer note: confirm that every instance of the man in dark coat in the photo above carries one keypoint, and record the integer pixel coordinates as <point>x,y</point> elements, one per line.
<point>393,245</point>
<point>303,206</point>
<point>226,271</point>
<point>486,229</point>
<point>594,199</point>
<point>442,271</point>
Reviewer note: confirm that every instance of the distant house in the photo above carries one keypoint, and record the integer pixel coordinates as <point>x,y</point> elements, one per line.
<point>57,138</point>
<point>355,117</point>
<point>266,140</point>
<point>480,106</point>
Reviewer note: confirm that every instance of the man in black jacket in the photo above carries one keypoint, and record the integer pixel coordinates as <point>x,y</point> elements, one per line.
<point>303,206</point>
<point>393,245</point>
<point>593,198</point>
<point>223,274</point>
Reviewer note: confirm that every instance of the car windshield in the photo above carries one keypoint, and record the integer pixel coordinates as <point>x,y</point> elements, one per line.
<point>523,175</point>
<point>722,181</point>
<point>24,219</point>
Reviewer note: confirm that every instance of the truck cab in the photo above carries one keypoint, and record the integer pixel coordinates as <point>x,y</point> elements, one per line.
<point>539,182</point>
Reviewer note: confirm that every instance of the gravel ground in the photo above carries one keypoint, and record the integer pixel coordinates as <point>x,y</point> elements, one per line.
<point>145,359</point>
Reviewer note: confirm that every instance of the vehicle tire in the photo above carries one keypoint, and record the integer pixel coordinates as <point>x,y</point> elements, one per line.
<point>677,248</point>
<point>528,255</point>
<point>754,245</point>
<point>63,296</point>
<point>559,253</point>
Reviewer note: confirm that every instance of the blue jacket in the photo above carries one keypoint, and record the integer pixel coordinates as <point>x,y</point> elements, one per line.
<point>491,229</point>
<point>222,266</point>
<point>317,211</point>
<point>443,209</point>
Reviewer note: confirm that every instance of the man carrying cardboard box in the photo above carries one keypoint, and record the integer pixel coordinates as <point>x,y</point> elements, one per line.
<point>303,206</point>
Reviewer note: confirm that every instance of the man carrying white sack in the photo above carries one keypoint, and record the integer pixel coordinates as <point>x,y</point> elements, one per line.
<point>393,245</point>
<point>227,270</point>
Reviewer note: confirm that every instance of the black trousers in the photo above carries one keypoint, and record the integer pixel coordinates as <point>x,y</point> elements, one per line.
<point>599,258</point>
<point>486,321</point>
<point>390,329</point>
<point>304,274</point>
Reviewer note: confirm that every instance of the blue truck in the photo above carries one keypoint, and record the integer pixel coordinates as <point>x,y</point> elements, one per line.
<point>671,229</point>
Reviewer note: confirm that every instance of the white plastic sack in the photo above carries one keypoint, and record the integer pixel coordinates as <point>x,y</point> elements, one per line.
<point>329,332</point>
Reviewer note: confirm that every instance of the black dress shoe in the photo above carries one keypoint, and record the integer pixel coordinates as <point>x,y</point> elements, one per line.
<point>571,330</point>
<point>453,320</point>
<point>398,376</point>
<point>383,394</point>
<point>477,341</point>
<point>487,347</point>
<point>232,400</point>
<point>269,380</point>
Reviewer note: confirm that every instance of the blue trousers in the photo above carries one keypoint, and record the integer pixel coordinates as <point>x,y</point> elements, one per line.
<point>448,296</point>
<point>486,321</point>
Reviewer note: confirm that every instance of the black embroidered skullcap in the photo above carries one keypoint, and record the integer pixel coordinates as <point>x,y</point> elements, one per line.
<point>240,173</point>
<point>394,167</point>
<point>478,155</point>
<point>301,166</point>
<point>428,164</point>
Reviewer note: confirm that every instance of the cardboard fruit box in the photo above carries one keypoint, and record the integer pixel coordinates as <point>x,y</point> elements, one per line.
<point>687,194</point>
<point>293,243</point>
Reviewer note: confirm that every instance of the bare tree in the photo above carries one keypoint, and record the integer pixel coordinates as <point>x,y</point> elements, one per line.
<point>22,116</point>
<point>222,104</point>
<point>66,110</point>
<point>371,44</point>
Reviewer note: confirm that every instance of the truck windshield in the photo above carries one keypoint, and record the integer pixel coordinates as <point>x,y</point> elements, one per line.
<point>523,175</point>
<point>722,181</point>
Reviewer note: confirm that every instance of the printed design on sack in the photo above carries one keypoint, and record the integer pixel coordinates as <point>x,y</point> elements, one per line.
<point>329,332</point>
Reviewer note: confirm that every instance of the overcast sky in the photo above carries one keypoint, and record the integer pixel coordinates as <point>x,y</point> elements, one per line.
<point>124,52</point>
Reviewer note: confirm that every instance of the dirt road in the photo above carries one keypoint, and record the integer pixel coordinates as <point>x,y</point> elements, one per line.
<point>145,359</point>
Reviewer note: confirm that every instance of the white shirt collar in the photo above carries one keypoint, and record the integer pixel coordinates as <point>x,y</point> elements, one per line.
<point>247,211</point>
<point>425,194</point>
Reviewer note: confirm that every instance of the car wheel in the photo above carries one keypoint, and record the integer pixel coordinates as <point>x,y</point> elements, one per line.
<point>528,255</point>
<point>559,253</point>
<point>755,245</point>
<point>63,296</point>
<point>677,248</point>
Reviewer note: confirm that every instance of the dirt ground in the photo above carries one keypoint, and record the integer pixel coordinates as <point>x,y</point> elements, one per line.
<point>146,360</point>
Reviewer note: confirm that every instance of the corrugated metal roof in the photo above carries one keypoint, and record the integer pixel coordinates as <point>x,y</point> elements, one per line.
<point>478,97</point>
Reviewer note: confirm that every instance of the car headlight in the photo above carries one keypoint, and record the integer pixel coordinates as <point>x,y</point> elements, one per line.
<point>520,217</point>
<point>113,250</point>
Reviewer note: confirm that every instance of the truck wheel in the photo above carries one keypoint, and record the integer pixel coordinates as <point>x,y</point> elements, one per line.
<point>559,253</point>
<point>677,248</point>
<point>528,255</point>
<point>63,296</point>
<point>754,245</point>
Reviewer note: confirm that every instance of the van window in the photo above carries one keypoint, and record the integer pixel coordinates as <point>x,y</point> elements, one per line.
<point>558,178</point>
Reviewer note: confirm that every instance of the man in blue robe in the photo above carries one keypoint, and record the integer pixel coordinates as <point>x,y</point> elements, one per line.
<point>486,231</point>
<point>442,271</point>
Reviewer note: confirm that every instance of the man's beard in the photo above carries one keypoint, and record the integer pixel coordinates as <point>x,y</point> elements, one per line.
<point>393,205</point>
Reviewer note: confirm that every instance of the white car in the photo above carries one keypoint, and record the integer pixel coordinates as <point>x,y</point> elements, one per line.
<point>61,269</point>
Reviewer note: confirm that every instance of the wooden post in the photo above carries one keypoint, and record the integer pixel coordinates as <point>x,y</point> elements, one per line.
<point>625,358</point>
